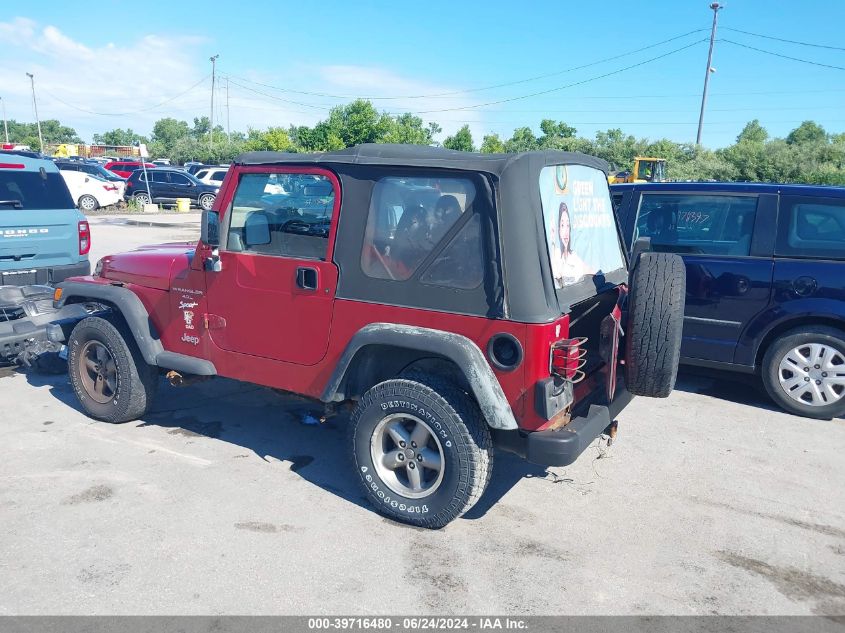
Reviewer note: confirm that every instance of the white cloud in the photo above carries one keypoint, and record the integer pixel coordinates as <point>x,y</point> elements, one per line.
<point>78,82</point>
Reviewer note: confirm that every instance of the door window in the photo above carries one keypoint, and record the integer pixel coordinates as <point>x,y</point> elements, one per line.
<point>811,227</point>
<point>155,176</point>
<point>696,223</point>
<point>283,215</point>
<point>179,179</point>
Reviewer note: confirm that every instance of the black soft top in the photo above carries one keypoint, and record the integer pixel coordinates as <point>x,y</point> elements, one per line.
<point>522,264</point>
<point>424,156</point>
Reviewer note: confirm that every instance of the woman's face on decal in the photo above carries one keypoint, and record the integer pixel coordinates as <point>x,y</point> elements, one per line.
<point>563,230</point>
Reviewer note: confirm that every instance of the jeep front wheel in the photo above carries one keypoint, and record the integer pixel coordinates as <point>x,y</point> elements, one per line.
<point>422,451</point>
<point>108,373</point>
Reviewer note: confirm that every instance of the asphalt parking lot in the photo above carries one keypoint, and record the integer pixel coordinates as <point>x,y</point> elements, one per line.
<point>221,501</point>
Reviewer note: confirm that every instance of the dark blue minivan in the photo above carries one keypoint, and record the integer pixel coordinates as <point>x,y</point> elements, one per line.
<point>765,280</point>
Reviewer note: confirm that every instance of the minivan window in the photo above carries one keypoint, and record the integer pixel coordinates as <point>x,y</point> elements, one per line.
<point>812,227</point>
<point>30,190</point>
<point>698,223</point>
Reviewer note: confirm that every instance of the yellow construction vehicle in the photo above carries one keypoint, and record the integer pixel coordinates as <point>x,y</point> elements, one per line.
<point>646,169</point>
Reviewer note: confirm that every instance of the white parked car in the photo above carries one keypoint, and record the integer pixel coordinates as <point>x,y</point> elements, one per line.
<point>212,175</point>
<point>90,192</point>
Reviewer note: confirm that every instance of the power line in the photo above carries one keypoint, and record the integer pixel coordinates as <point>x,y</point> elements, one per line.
<point>147,109</point>
<point>259,92</point>
<point>572,85</point>
<point>479,89</point>
<point>780,39</point>
<point>795,59</point>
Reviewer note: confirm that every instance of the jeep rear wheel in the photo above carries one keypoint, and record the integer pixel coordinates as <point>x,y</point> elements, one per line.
<point>655,324</point>
<point>423,451</point>
<point>108,373</point>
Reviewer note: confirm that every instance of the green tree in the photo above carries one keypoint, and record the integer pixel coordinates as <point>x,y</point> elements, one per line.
<point>201,127</point>
<point>274,139</point>
<point>555,134</point>
<point>807,132</point>
<point>753,132</point>
<point>492,144</point>
<point>522,140</point>
<point>460,140</point>
<point>407,128</point>
<point>51,130</point>
<point>169,130</point>
<point>119,136</point>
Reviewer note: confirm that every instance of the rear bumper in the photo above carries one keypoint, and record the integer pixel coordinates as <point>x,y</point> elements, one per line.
<point>562,447</point>
<point>22,335</point>
<point>46,275</point>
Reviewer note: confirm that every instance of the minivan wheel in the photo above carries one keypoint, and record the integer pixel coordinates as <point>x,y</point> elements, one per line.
<point>88,203</point>
<point>422,450</point>
<point>108,373</point>
<point>804,372</point>
<point>142,198</point>
<point>206,201</point>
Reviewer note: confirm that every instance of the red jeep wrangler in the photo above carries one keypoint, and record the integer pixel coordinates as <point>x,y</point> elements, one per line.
<point>459,301</point>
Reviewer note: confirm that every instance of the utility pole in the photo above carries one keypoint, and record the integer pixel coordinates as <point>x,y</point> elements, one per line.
<point>5,124</point>
<point>213,60</point>
<point>715,6</point>
<point>228,129</point>
<point>35,106</point>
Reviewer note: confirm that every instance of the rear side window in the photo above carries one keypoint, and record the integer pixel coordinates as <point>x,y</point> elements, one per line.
<point>811,227</point>
<point>698,223</point>
<point>284,215</point>
<point>581,231</point>
<point>218,176</point>
<point>20,189</point>
<point>408,219</point>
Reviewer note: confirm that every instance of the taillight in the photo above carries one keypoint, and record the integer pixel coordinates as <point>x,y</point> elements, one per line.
<point>109,187</point>
<point>11,166</point>
<point>568,358</point>
<point>84,238</point>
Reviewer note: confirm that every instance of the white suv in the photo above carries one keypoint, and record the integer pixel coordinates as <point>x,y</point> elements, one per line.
<point>212,175</point>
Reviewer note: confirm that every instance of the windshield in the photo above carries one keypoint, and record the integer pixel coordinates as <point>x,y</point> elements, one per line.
<point>581,232</point>
<point>21,189</point>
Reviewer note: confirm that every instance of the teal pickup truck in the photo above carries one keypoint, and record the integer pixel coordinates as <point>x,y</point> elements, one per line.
<point>44,239</point>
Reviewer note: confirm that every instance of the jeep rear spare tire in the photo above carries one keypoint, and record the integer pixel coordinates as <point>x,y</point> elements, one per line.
<point>422,451</point>
<point>108,373</point>
<point>655,324</point>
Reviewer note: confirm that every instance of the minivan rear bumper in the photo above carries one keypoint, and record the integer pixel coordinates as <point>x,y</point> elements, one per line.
<point>46,275</point>
<point>563,446</point>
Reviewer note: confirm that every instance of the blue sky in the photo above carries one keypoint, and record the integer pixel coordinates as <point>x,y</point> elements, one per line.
<point>105,65</point>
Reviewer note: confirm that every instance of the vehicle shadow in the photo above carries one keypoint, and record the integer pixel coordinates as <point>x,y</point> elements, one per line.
<point>731,387</point>
<point>273,426</point>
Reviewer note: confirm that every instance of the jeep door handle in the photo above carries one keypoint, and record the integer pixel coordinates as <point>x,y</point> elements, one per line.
<point>307,278</point>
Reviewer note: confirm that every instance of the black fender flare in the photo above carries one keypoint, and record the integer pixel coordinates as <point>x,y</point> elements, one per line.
<point>463,352</point>
<point>140,325</point>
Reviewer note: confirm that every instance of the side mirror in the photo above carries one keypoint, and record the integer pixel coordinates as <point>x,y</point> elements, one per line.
<point>210,228</point>
<point>210,235</point>
<point>641,245</point>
